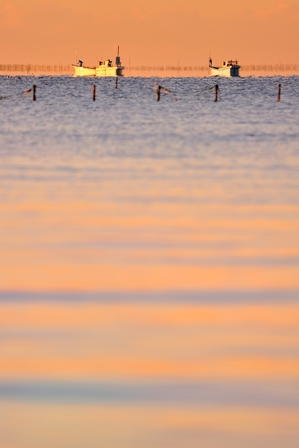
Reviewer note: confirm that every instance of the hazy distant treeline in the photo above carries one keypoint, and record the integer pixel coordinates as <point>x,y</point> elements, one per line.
<point>29,68</point>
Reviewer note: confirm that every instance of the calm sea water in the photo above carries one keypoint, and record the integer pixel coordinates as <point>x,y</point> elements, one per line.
<point>149,263</point>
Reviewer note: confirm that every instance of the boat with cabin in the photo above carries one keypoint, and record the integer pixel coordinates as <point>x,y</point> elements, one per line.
<point>229,69</point>
<point>105,68</point>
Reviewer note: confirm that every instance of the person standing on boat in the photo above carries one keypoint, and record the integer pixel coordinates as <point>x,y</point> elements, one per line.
<point>80,63</point>
<point>210,62</point>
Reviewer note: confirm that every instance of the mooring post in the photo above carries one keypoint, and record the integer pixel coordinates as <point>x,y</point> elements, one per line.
<point>93,92</point>
<point>33,92</point>
<point>158,92</point>
<point>116,82</point>
<point>279,91</point>
<point>216,92</point>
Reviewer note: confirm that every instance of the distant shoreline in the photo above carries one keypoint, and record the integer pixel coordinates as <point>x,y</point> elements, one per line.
<point>144,70</point>
<point>68,67</point>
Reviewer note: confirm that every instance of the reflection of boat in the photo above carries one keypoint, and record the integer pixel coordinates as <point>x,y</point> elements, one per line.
<point>105,68</point>
<point>228,69</point>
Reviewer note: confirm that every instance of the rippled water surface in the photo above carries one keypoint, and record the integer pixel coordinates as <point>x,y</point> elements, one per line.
<point>149,263</point>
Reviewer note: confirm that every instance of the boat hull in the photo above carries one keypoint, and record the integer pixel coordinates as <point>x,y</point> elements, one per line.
<point>103,70</point>
<point>227,72</point>
<point>99,71</point>
<point>84,71</point>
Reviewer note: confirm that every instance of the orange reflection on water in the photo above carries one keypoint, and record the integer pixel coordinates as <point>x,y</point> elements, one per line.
<point>149,341</point>
<point>147,426</point>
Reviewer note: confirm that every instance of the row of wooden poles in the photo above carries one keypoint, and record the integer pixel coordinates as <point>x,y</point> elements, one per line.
<point>202,68</point>
<point>34,68</point>
<point>68,68</point>
<point>94,88</point>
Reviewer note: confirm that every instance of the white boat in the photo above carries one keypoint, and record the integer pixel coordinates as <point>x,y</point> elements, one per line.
<point>229,69</point>
<point>105,68</point>
<point>81,70</point>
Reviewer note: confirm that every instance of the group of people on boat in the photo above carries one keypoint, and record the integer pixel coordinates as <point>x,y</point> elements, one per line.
<point>229,63</point>
<point>107,63</point>
<point>225,63</point>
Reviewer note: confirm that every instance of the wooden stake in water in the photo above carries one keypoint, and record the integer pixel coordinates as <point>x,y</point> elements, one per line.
<point>93,92</point>
<point>116,82</point>
<point>279,91</point>
<point>160,89</point>
<point>33,92</point>
<point>216,92</point>
<point>158,92</point>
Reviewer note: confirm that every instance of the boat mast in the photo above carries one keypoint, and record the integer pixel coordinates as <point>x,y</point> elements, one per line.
<point>117,59</point>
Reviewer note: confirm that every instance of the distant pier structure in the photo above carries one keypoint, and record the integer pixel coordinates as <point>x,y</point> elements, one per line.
<point>30,68</point>
<point>245,68</point>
